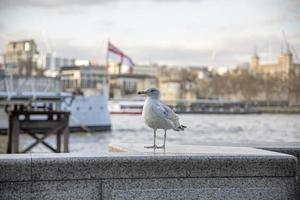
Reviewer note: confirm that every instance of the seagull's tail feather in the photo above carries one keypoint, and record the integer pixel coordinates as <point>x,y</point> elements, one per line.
<point>180,128</point>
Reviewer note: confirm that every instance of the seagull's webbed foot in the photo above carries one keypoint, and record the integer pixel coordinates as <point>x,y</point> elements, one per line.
<point>161,147</point>
<point>151,147</point>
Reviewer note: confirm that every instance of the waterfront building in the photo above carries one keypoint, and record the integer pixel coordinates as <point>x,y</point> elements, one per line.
<point>1,63</point>
<point>178,83</point>
<point>51,62</point>
<point>150,70</point>
<point>285,69</point>
<point>82,62</point>
<point>87,79</point>
<point>173,90</point>
<point>282,68</point>
<point>20,57</point>
<point>126,85</point>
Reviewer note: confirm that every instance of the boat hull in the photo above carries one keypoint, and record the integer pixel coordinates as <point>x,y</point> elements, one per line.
<point>87,114</point>
<point>125,113</point>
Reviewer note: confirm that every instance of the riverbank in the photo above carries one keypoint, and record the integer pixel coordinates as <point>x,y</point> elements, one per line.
<point>279,110</point>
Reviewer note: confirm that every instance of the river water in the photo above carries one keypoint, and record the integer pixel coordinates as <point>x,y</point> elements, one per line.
<point>202,129</point>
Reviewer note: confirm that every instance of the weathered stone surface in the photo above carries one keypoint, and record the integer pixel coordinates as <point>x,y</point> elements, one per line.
<point>179,172</point>
<point>159,166</point>
<point>15,167</point>
<point>69,190</point>
<point>188,149</point>
<point>15,190</point>
<point>286,150</point>
<point>220,161</point>
<point>203,188</point>
<point>291,150</point>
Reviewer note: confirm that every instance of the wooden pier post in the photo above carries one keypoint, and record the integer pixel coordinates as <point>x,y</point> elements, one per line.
<point>55,123</point>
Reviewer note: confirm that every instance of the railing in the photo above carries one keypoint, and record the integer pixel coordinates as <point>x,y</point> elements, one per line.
<point>23,84</point>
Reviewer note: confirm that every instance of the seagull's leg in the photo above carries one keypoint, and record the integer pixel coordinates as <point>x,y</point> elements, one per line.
<point>165,137</point>
<point>154,138</point>
<point>154,141</point>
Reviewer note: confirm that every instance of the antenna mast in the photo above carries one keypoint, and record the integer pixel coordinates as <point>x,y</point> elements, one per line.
<point>286,42</point>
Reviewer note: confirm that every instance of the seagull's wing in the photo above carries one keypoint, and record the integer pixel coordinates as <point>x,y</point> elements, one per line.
<point>169,114</point>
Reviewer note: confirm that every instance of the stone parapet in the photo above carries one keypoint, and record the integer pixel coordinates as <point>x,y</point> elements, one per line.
<point>179,172</point>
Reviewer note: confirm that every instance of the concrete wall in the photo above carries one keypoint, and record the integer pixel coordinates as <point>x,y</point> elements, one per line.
<point>256,174</point>
<point>291,151</point>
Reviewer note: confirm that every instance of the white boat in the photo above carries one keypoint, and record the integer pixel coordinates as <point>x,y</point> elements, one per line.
<point>134,106</point>
<point>88,113</point>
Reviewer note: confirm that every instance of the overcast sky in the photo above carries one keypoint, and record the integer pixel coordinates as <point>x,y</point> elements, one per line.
<point>177,32</point>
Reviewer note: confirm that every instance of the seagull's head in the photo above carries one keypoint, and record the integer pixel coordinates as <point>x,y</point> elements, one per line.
<point>151,92</point>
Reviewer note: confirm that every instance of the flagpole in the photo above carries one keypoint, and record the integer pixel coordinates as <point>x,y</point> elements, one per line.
<point>107,85</point>
<point>107,55</point>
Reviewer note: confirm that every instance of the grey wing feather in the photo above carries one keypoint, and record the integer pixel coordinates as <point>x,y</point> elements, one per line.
<point>169,114</point>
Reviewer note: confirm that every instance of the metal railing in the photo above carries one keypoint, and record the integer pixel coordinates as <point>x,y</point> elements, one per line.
<point>24,84</point>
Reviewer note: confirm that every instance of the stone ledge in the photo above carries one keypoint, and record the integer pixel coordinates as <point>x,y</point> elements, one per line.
<point>179,172</point>
<point>202,188</point>
<point>212,162</point>
<point>15,167</point>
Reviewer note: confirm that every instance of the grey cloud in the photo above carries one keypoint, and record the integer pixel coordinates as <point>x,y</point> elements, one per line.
<point>230,54</point>
<point>171,1</point>
<point>230,51</point>
<point>187,56</point>
<point>51,3</point>
<point>2,47</point>
<point>63,47</point>
<point>77,52</point>
<point>68,3</point>
<point>105,24</point>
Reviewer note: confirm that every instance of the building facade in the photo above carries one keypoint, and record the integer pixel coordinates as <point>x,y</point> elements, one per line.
<point>21,58</point>
<point>280,69</point>
<point>86,79</point>
<point>287,70</point>
<point>150,70</point>
<point>51,62</point>
<point>178,83</point>
<point>127,85</point>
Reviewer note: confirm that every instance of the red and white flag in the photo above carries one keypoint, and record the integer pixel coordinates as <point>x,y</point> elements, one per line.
<point>117,56</point>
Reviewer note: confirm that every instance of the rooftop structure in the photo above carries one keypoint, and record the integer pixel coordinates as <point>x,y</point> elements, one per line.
<point>88,79</point>
<point>282,68</point>
<point>150,70</point>
<point>126,85</point>
<point>20,57</point>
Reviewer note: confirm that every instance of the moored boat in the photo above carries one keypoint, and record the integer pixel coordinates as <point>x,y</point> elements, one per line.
<point>134,106</point>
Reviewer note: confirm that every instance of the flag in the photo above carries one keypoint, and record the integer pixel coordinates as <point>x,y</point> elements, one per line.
<point>117,56</point>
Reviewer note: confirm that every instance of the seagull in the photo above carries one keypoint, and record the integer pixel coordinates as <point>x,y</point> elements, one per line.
<point>159,116</point>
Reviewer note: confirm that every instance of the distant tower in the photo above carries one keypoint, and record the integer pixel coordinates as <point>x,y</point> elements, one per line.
<point>254,59</point>
<point>285,60</point>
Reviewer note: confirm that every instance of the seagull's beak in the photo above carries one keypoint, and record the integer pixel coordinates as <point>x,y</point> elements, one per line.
<point>141,92</point>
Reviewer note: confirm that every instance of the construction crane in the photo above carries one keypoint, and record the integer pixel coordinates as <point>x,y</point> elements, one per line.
<point>288,46</point>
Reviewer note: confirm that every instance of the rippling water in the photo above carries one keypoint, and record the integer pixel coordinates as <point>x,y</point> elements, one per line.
<point>203,129</point>
<point>214,128</point>
<point>237,130</point>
